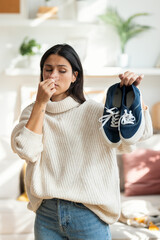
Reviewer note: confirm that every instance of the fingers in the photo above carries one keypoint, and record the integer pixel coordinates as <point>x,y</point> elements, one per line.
<point>138,80</point>
<point>47,82</point>
<point>53,90</point>
<point>50,85</point>
<point>45,90</point>
<point>128,78</point>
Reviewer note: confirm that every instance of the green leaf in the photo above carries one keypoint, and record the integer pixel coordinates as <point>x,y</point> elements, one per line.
<point>28,47</point>
<point>135,16</point>
<point>137,30</point>
<point>112,17</point>
<point>125,29</point>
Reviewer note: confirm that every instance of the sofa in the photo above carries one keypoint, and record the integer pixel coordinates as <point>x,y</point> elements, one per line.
<point>139,183</point>
<point>16,221</point>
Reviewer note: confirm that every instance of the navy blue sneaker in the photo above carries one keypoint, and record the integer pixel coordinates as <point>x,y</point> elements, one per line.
<point>111,115</point>
<point>131,126</point>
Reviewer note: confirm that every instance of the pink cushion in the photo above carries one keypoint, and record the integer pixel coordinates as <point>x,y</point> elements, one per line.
<point>142,172</point>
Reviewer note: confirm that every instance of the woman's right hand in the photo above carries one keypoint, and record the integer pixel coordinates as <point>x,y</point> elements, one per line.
<point>46,89</point>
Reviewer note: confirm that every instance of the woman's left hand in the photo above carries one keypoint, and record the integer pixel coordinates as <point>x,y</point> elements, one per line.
<point>129,78</point>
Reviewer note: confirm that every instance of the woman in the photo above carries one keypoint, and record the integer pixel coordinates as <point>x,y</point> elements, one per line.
<point>72,176</point>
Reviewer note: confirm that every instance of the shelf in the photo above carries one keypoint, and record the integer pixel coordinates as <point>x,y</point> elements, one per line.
<point>22,72</point>
<point>105,72</point>
<point>115,71</point>
<point>44,22</point>
<point>146,71</point>
<point>90,73</point>
<point>102,72</point>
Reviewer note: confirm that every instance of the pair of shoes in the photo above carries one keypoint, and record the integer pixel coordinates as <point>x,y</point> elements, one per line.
<point>122,119</point>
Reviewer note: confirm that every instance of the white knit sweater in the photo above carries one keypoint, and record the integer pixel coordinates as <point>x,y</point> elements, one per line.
<point>71,159</point>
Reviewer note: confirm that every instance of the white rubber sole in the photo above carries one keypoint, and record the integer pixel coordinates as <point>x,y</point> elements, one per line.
<point>110,144</point>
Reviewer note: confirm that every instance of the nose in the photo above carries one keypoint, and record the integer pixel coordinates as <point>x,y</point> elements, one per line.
<point>54,75</point>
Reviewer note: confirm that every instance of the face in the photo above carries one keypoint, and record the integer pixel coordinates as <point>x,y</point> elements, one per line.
<point>58,68</point>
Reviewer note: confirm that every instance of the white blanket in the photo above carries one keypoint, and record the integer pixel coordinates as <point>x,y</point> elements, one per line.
<point>140,213</point>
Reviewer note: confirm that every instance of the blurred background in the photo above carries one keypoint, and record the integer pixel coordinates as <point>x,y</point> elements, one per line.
<point>93,27</point>
<point>111,37</point>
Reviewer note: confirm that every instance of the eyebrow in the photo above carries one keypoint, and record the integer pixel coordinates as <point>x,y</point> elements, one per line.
<point>59,65</point>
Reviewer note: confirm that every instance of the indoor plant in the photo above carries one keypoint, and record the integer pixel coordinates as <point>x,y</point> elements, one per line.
<point>126,29</point>
<point>30,51</point>
<point>29,47</point>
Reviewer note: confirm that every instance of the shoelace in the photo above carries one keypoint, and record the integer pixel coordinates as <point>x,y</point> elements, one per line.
<point>113,113</point>
<point>127,118</point>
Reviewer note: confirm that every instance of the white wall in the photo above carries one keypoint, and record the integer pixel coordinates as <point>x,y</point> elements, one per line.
<point>102,48</point>
<point>144,49</point>
<point>103,42</point>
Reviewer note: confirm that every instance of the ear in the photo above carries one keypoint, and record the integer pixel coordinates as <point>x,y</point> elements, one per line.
<point>75,74</point>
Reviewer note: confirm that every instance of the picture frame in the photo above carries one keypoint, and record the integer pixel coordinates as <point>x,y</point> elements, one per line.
<point>16,10</point>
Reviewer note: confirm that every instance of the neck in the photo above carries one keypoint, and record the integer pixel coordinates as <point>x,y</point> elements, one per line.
<point>57,98</point>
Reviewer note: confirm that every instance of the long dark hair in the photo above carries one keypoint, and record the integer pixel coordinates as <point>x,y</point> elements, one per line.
<point>66,51</point>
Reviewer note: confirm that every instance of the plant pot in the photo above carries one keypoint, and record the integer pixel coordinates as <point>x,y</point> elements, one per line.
<point>33,61</point>
<point>30,62</point>
<point>122,60</point>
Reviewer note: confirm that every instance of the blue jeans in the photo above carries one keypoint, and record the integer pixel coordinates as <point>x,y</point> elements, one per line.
<point>58,219</point>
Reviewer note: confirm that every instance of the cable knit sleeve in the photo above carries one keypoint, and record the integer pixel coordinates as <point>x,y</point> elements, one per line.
<point>148,131</point>
<point>27,144</point>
